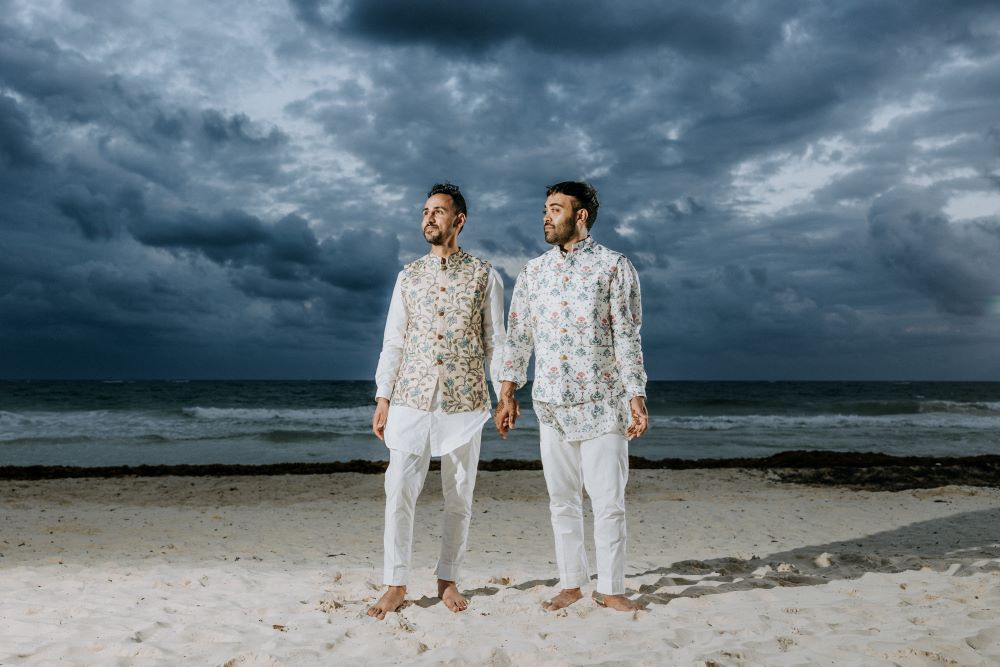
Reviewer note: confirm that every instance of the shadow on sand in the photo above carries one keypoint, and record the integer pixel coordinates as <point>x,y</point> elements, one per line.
<point>962,544</point>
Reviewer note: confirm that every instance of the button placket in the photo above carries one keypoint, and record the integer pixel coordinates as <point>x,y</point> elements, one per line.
<point>440,301</point>
<point>565,283</point>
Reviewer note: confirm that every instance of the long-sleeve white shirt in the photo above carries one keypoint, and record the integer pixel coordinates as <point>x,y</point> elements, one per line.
<point>409,429</point>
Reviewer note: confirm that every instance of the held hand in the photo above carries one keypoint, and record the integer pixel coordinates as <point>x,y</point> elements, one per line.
<point>507,411</point>
<point>640,418</point>
<point>380,417</point>
<point>506,415</point>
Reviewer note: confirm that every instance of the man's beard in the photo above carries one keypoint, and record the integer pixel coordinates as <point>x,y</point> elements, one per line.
<point>434,236</point>
<point>558,234</point>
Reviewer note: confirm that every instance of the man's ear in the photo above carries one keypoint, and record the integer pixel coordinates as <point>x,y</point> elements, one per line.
<point>581,216</point>
<point>460,221</point>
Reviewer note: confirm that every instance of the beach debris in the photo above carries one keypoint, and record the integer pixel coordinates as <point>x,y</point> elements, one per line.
<point>279,627</point>
<point>824,560</point>
<point>328,606</point>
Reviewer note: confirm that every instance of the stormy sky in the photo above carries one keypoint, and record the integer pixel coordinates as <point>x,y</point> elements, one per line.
<point>809,190</point>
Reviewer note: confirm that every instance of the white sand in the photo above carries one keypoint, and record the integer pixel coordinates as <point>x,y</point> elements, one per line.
<point>280,570</point>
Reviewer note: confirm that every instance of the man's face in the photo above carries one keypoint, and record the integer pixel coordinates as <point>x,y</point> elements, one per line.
<point>559,219</point>
<point>441,222</point>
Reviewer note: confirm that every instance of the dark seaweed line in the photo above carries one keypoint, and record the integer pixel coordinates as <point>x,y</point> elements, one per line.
<point>862,470</point>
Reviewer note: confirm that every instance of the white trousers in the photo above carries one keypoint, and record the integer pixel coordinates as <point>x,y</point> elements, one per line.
<point>404,479</point>
<point>601,466</point>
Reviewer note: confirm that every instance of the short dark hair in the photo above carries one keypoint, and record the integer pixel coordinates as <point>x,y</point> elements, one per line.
<point>452,191</point>
<point>585,195</point>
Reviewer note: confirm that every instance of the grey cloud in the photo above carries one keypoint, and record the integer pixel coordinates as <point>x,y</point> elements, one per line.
<point>287,250</point>
<point>954,264</point>
<point>360,260</point>
<point>134,127</point>
<point>17,148</point>
<point>238,128</point>
<point>222,238</point>
<point>153,199</point>
<point>100,215</point>
<point>589,30</point>
<point>62,79</point>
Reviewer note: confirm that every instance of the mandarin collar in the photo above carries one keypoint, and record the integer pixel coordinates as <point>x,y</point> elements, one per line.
<point>581,246</point>
<point>454,259</point>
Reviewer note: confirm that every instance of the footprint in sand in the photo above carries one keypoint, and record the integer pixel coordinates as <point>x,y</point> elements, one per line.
<point>987,641</point>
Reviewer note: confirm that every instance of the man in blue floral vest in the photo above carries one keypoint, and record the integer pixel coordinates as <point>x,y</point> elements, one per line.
<point>577,307</point>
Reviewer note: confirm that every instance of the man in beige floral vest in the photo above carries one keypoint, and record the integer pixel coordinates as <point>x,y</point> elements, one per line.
<point>578,308</point>
<point>444,324</point>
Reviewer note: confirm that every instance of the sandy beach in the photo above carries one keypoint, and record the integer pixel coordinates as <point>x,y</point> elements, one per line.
<point>737,568</point>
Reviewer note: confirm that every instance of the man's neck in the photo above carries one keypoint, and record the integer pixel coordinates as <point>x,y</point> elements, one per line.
<point>444,251</point>
<point>568,246</point>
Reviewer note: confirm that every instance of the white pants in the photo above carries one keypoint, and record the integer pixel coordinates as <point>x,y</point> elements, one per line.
<point>404,480</point>
<point>601,466</point>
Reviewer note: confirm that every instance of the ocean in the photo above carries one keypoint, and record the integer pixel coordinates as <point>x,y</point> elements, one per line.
<point>114,423</point>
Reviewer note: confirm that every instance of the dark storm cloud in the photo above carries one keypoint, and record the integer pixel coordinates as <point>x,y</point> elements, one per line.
<point>16,146</point>
<point>804,187</point>
<point>956,266</point>
<point>587,30</point>
<point>287,250</point>
<point>69,86</point>
<point>116,195</point>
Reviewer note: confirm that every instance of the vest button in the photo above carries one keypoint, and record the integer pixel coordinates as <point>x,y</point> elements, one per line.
<point>440,361</point>
<point>562,330</point>
<point>443,289</point>
<point>563,303</point>
<point>440,313</point>
<point>440,336</point>
<point>563,357</point>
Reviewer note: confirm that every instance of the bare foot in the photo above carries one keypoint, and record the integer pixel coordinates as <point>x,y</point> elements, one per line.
<point>448,592</point>
<point>566,597</point>
<point>619,602</point>
<point>391,600</point>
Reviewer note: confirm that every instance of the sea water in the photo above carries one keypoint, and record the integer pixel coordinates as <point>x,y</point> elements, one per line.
<point>175,422</point>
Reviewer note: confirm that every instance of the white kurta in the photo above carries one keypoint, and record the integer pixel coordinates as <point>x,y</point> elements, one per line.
<point>409,429</point>
<point>414,435</point>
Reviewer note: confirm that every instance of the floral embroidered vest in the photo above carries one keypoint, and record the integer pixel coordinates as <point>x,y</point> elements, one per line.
<point>444,333</point>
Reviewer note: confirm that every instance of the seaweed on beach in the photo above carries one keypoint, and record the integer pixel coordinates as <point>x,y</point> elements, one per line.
<point>859,470</point>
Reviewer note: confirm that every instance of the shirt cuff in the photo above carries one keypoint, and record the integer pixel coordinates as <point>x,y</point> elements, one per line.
<point>510,377</point>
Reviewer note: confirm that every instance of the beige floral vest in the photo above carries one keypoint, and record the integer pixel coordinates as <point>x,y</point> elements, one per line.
<point>444,333</point>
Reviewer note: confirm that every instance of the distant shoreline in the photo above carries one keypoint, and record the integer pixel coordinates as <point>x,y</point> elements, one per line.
<point>861,470</point>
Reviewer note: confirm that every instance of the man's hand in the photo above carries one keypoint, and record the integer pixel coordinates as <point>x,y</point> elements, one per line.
<point>507,411</point>
<point>380,417</point>
<point>640,418</point>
